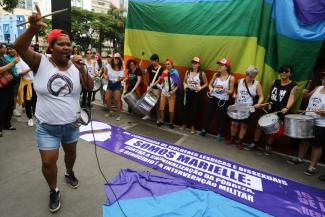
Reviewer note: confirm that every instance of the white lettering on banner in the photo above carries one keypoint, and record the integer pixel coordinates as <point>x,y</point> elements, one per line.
<point>237,193</point>
<point>213,169</point>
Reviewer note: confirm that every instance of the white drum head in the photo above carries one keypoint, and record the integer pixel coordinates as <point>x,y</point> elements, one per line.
<point>268,119</point>
<point>97,84</point>
<point>84,117</point>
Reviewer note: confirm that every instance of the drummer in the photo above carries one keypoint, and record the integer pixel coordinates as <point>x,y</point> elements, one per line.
<point>317,105</point>
<point>247,92</point>
<point>282,96</point>
<point>133,79</point>
<point>152,73</point>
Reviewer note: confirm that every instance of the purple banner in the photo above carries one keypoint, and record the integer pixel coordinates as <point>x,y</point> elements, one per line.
<point>272,194</point>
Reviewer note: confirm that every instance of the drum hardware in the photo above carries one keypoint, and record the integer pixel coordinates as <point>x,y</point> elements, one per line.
<point>299,126</point>
<point>238,112</point>
<point>311,110</point>
<point>147,102</point>
<point>131,99</point>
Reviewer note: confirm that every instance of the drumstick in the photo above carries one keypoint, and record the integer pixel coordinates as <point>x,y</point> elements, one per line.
<point>47,15</point>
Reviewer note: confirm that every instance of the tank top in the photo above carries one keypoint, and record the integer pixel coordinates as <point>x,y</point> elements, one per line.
<point>220,88</point>
<point>193,82</point>
<point>279,95</point>
<point>58,93</point>
<point>317,101</point>
<point>243,97</point>
<point>114,75</point>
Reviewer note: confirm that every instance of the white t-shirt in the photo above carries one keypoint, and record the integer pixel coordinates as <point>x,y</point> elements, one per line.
<point>58,93</point>
<point>112,74</point>
<point>165,89</point>
<point>22,66</point>
<point>317,101</point>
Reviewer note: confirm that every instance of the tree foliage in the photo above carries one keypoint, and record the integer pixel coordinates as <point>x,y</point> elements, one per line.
<point>90,28</point>
<point>8,5</point>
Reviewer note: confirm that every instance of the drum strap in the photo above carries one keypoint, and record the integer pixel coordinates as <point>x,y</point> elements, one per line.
<point>154,78</point>
<point>254,98</point>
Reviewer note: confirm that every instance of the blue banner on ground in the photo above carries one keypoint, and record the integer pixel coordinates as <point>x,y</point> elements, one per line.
<point>269,193</point>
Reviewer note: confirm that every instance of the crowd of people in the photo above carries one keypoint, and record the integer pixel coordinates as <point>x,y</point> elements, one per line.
<point>53,86</point>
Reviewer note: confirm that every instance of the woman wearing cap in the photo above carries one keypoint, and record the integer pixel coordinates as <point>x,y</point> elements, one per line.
<point>194,81</point>
<point>170,84</point>
<point>221,87</point>
<point>281,98</point>
<point>316,104</point>
<point>248,89</point>
<point>92,69</point>
<point>57,82</point>
<point>114,74</point>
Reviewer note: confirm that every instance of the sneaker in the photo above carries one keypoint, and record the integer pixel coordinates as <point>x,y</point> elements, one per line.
<point>250,147</point>
<point>171,126</point>
<point>310,171</point>
<point>267,150</point>
<point>118,118</point>
<point>219,138</point>
<point>159,124</point>
<point>322,177</point>
<point>294,161</point>
<point>202,132</point>
<point>16,113</point>
<point>71,180</point>
<point>54,204</point>
<point>146,117</point>
<point>30,122</point>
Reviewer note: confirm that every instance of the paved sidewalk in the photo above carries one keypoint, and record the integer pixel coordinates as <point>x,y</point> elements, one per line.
<point>24,192</point>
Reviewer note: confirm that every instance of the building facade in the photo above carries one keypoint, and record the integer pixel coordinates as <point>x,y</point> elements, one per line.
<point>8,27</point>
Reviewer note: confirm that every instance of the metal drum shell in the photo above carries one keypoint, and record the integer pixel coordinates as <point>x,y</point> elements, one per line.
<point>131,99</point>
<point>147,102</point>
<point>273,126</point>
<point>238,112</point>
<point>299,126</point>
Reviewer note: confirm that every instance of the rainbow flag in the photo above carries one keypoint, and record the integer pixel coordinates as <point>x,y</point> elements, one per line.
<point>147,194</point>
<point>266,33</point>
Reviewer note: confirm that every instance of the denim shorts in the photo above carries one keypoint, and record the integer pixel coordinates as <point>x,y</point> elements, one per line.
<point>50,137</point>
<point>113,86</point>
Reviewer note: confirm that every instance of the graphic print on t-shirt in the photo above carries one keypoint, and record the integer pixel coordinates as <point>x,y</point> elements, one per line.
<point>275,93</point>
<point>243,96</point>
<point>219,89</point>
<point>59,85</point>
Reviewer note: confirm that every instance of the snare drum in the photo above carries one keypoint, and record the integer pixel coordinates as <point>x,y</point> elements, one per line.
<point>299,126</point>
<point>131,99</point>
<point>238,112</point>
<point>269,123</point>
<point>147,102</point>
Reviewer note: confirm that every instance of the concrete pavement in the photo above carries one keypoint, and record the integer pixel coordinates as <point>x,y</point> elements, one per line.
<point>24,192</point>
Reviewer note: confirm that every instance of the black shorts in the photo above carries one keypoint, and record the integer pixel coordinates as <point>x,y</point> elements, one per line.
<point>319,139</point>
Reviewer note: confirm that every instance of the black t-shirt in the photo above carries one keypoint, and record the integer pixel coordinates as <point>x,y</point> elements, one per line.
<point>133,77</point>
<point>152,72</point>
<point>279,95</point>
<point>3,61</point>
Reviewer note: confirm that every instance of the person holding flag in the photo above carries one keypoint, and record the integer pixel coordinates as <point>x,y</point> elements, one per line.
<point>171,83</point>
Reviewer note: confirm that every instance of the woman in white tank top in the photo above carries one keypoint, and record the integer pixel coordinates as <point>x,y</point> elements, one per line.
<point>220,88</point>
<point>317,105</point>
<point>57,82</point>
<point>194,82</point>
<point>248,88</point>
